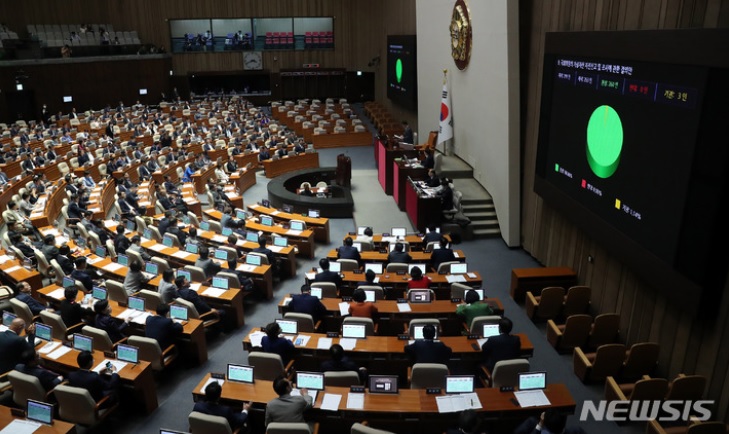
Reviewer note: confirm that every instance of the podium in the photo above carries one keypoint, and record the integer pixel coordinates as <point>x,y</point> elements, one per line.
<point>344,170</point>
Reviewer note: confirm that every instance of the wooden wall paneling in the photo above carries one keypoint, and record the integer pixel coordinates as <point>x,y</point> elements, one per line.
<point>651,14</point>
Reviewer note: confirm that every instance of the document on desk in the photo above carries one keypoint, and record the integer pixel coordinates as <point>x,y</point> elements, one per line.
<point>456,403</point>
<point>293,232</point>
<point>455,254</point>
<point>195,286</point>
<point>94,260</point>
<point>220,238</point>
<point>286,301</point>
<point>256,338</point>
<point>13,268</point>
<point>275,249</point>
<point>452,278</point>
<point>214,292</point>
<point>310,392</point>
<point>18,426</point>
<point>324,343</point>
<point>389,240</point>
<point>301,340</point>
<point>59,352</point>
<point>141,319</point>
<point>247,268</point>
<point>180,254</point>
<point>157,247</point>
<point>331,401</point>
<point>532,398</point>
<point>213,380</point>
<point>112,267</point>
<point>344,308</point>
<point>310,275</point>
<point>47,348</point>
<point>58,294</point>
<point>404,307</point>
<point>472,275</point>
<point>355,401</point>
<point>348,343</point>
<point>275,212</point>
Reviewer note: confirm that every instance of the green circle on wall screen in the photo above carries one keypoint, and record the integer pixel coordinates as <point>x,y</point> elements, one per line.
<point>398,70</point>
<point>604,141</point>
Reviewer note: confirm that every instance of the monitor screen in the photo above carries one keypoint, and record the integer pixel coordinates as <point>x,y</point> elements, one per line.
<point>185,273</point>
<point>335,267</point>
<point>100,251</point>
<point>240,373</point>
<point>40,411</point>
<point>178,312</point>
<point>422,267</point>
<point>136,303</point>
<point>148,234</point>
<point>220,282</point>
<point>131,226</point>
<point>314,213</point>
<point>310,380</point>
<point>151,267</point>
<point>316,292</point>
<point>399,232</point>
<point>376,267</point>
<point>459,268</point>
<point>383,383</point>
<point>83,343</point>
<point>81,242</point>
<point>370,296</point>
<point>127,353</point>
<point>297,226</point>
<point>168,241</point>
<point>357,246</point>
<point>418,332</point>
<point>361,230</point>
<point>266,220</point>
<point>419,296</point>
<point>402,70</point>
<point>280,241</point>
<point>252,237</point>
<point>490,330</point>
<point>43,331</point>
<point>266,203</point>
<point>8,318</point>
<point>253,260</point>
<point>205,226</point>
<point>68,282</point>
<point>532,380</point>
<point>287,208</point>
<point>226,231</point>
<point>191,248</point>
<point>98,293</point>
<point>221,254</point>
<point>459,383</point>
<point>240,214</point>
<point>288,327</point>
<point>353,331</point>
<point>122,260</point>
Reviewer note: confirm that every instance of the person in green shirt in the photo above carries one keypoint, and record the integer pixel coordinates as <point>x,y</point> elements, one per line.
<point>473,307</point>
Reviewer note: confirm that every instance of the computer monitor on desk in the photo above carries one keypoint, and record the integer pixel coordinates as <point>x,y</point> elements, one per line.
<point>127,353</point>
<point>288,327</point>
<point>383,384</point>
<point>40,412</point>
<point>459,384</point>
<point>375,267</point>
<point>399,232</point>
<point>240,373</point>
<point>310,380</point>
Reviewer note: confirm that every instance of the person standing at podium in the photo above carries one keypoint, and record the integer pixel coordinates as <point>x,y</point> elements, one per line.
<point>407,136</point>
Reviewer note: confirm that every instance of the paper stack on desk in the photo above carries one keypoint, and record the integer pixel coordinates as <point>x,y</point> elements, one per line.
<point>456,403</point>
<point>532,398</point>
<point>256,338</point>
<point>331,401</point>
<point>355,401</point>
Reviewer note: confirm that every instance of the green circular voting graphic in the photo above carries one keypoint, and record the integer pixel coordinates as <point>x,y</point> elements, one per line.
<point>398,70</point>
<point>604,141</point>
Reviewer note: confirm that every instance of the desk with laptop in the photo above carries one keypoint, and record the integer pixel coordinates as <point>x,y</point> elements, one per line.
<point>320,225</point>
<point>37,417</point>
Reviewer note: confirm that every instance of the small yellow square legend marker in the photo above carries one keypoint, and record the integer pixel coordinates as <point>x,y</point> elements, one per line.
<point>617,203</point>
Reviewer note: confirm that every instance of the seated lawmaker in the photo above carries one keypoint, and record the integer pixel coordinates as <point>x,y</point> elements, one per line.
<point>211,405</point>
<point>104,321</point>
<point>399,255</point>
<point>418,280</point>
<point>273,343</point>
<point>287,408</point>
<point>25,295</point>
<point>427,350</point>
<point>12,345</point>
<point>348,251</point>
<point>473,307</point>
<point>161,328</point>
<point>444,253</point>
<point>99,385</point>
<point>326,275</point>
<point>307,303</point>
<point>360,307</point>
<point>29,365</point>
<point>504,346</point>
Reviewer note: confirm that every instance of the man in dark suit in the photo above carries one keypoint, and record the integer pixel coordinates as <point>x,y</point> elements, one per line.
<point>432,236</point>
<point>210,267</point>
<point>64,261</point>
<point>399,255</point>
<point>501,347</point>
<point>348,251</point>
<point>427,350</point>
<point>144,173</point>
<point>162,328</point>
<point>262,249</point>
<point>407,136</point>
<point>12,345</point>
<point>165,201</point>
<point>49,249</point>
<point>175,230</point>
<point>29,366</point>
<point>443,254</point>
<point>121,242</point>
<point>127,209</point>
<point>75,210</point>
<point>169,186</point>
<point>433,180</point>
<point>110,130</point>
<point>24,295</point>
<point>326,275</point>
<point>83,275</point>
<point>185,292</point>
<point>307,303</point>
<point>98,385</point>
<point>339,362</point>
<point>212,407</point>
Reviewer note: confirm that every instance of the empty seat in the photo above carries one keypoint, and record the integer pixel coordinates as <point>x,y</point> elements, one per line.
<point>574,333</point>
<point>606,361</point>
<point>425,375</point>
<point>545,306</point>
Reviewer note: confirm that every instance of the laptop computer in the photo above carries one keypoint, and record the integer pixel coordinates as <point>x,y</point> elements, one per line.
<point>370,295</point>
<point>459,268</point>
<point>280,241</point>
<point>252,237</point>
<point>296,226</point>
<point>151,268</point>
<point>253,260</point>
<point>171,431</point>
<point>131,226</point>
<point>226,231</point>
<point>357,246</point>
<point>316,292</point>
<point>418,332</point>
<point>314,213</point>
<point>148,234</point>
<point>459,384</point>
<point>532,380</point>
<point>361,230</point>
<point>98,293</point>
<point>419,296</point>
<point>83,343</point>
<point>8,318</point>
<point>288,327</point>
<point>43,331</point>
<point>191,248</point>
<point>357,331</point>
<point>266,220</point>
<point>335,266</point>
<point>220,282</point>
<point>376,267</point>
<point>221,254</point>
<point>205,226</point>
<point>122,259</point>
<point>69,282</point>
<point>490,330</point>
<point>185,273</point>
<point>100,251</point>
<point>136,303</point>
<point>127,353</point>
<point>240,214</point>
<point>168,241</point>
<point>40,412</point>
<point>240,373</point>
<point>310,380</point>
<point>399,232</point>
<point>383,384</point>
<point>178,313</point>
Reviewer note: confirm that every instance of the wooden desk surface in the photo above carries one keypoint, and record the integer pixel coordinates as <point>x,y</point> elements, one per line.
<point>274,168</point>
<point>390,279</point>
<point>415,401</point>
<point>13,269</point>
<point>319,225</point>
<point>389,307</point>
<point>58,427</point>
<point>376,256</point>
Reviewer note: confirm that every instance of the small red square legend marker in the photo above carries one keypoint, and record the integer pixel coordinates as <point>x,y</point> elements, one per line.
<point>584,183</point>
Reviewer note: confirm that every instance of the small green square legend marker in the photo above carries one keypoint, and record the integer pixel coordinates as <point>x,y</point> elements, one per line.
<point>556,167</point>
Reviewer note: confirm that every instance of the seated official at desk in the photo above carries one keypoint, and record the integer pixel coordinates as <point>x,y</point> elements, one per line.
<point>418,280</point>
<point>287,408</point>
<point>210,267</point>
<point>65,260</point>
<point>432,180</point>
<point>186,293</point>
<point>504,346</point>
<point>367,237</point>
<point>427,350</point>
<point>12,345</point>
<point>370,277</point>
<point>246,283</point>
<point>432,235</point>
<point>166,288</point>
<point>24,295</point>
<point>468,423</point>
<point>306,191</point>
<point>72,312</point>
<point>161,328</point>
<point>442,254</point>
<point>29,365</point>
<point>446,195</point>
<point>360,307</point>
<point>307,303</point>
<point>399,255</point>
<point>212,406</point>
<point>98,385</point>
<point>104,321</point>
<point>473,307</point>
<point>326,275</point>
<point>262,249</point>
<point>273,343</point>
<point>348,251</point>
<point>429,160</point>
<point>135,280</point>
<point>87,277</point>
<point>339,362</point>
<point>550,421</point>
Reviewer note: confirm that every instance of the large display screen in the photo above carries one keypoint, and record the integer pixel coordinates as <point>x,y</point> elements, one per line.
<point>402,75</point>
<point>633,151</point>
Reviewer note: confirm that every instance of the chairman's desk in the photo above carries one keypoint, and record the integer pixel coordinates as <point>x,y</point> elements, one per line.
<point>401,171</point>
<point>424,210</point>
<point>193,331</point>
<point>384,158</point>
<point>58,426</point>
<point>412,404</point>
<point>399,283</point>
<point>274,168</point>
<point>320,225</point>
